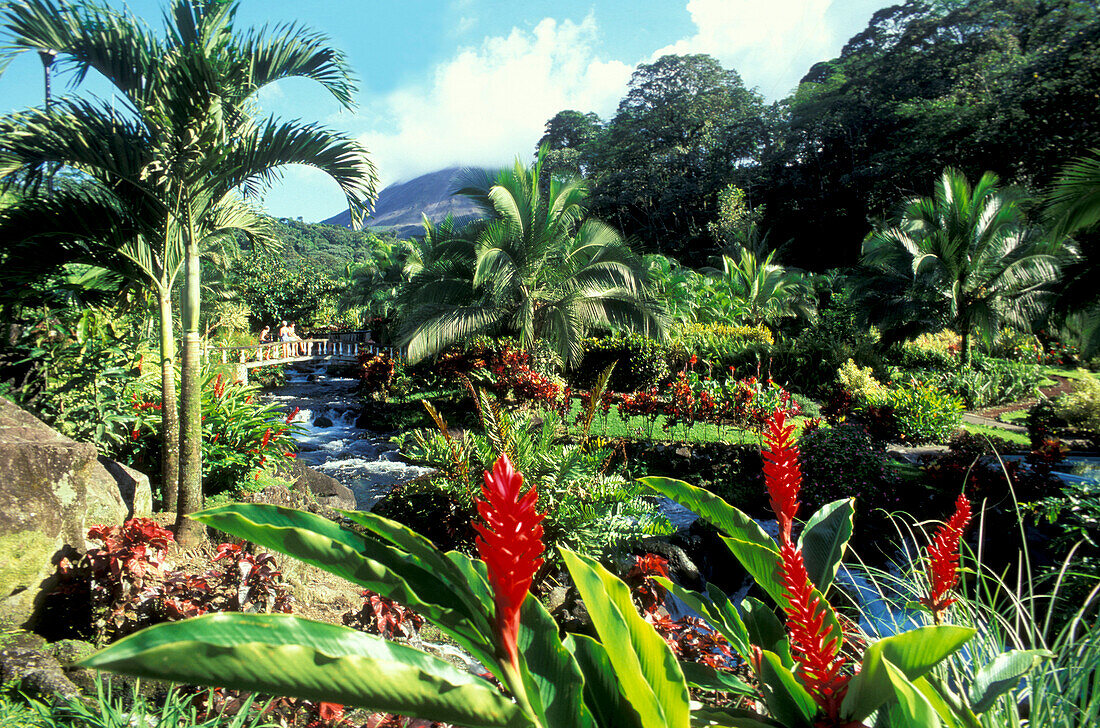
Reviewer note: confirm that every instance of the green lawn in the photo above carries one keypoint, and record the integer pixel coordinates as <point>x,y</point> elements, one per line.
<point>639,428</point>
<point>1015,438</point>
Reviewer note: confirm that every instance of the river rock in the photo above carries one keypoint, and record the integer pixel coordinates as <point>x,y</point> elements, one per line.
<point>53,489</point>
<point>322,421</point>
<point>26,664</point>
<point>328,491</point>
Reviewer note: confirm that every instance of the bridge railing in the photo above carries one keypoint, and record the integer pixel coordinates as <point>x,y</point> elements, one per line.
<point>282,351</point>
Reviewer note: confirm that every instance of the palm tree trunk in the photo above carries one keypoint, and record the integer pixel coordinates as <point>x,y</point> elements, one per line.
<point>190,488</point>
<point>965,347</point>
<point>170,419</point>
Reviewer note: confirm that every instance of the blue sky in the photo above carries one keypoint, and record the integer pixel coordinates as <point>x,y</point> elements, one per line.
<point>472,82</point>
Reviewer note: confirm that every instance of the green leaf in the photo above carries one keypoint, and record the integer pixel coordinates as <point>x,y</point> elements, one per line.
<point>389,571</point>
<point>765,629</point>
<point>730,718</point>
<point>912,706</point>
<point>554,681</point>
<point>787,700</point>
<point>704,677</point>
<point>762,562</point>
<point>718,612</point>
<point>602,690</point>
<point>284,655</point>
<point>645,667</point>
<point>1002,675</point>
<point>914,653</point>
<point>825,539</point>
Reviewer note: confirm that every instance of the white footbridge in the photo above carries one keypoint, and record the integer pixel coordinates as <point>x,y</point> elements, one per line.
<point>343,347</point>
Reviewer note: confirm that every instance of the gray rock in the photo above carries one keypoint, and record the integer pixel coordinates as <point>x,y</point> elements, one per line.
<point>327,491</point>
<point>35,672</point>
<point>134,487</point>
<point>53,489</point>
<point>322,421</point>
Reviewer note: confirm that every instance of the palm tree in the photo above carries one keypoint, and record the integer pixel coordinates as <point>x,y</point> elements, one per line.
<point>190,96</point>
<point>963,257</point>
<point>758,291</point>
<point>534,268</point>
<point>1074,208</point>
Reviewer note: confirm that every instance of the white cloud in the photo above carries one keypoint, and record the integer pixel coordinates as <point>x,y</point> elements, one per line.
<point>489,103</point>
<point>771,43</point>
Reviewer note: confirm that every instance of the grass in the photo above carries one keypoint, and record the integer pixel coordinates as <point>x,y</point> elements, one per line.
<point>1016,438</point>
<point>1014,416</point>
<point>636,427</point>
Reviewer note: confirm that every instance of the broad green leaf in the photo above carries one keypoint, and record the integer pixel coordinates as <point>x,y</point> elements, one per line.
<point>1002,675</point>
<point>765,629</point>
<point>602,689</point>
<point>644,665</point>
<point>553,678</point>
<point>787,700</point>
<point>824,541</point>
<point>283,655</point>
<point>370,563</point>
<point>703,677</point>
<point>712,509</point>
<point>950,707</point>
<point>912,705</point>
<point>914,653</point>
<point>718,612</point>
<point>705,717</point>
<point>762,562</point>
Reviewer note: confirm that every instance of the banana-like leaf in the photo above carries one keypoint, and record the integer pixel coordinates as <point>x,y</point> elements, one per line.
<point>765,629</point>
<point>787,700</point>
<point>717,611</point>
<point>602,689</point>
<point>706,717</point>
<point>704,677</point>
<point>1002,675</point>
<point>644,665</point>
<point>912,707</point>
<point>284,655</point>
<point>712,509</point>
<point>762,562</point>
<point>390,571</point>
<point>554,681</point>
<point>914,653</point>
<point>825,539</point>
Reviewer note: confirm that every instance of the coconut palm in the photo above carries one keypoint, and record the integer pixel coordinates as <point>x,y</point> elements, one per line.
<point>963,257</point>
<point>753,288</point>
<point>190,95</point>
<point>533,268</point>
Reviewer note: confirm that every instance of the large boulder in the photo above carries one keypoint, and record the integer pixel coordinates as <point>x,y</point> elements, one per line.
<point>53,488</point>
<point>327,491</point>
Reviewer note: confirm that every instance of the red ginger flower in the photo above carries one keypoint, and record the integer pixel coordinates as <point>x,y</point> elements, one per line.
<point>943,559</point>
<point>814,645</point>
<point>782,473</point>
<point>510,543</point>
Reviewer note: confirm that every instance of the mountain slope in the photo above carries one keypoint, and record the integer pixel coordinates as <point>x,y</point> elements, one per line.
<point>399,206</point>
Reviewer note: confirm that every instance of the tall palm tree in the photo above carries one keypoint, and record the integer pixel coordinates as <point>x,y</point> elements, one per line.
<point>757,290</point>
<point>540,271</point>
<point>190,95</point>
<point>963,257</point>
<point>1074,209</point>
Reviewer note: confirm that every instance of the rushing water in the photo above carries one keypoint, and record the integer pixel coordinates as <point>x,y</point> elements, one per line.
<point>364,461</point>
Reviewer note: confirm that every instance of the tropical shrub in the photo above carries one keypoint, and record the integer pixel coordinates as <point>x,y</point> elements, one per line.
<point>924,413</point>
<point>860,382</point>
<point>938,351</point>
<point>986,382</point>
<point>845,462</point>
<point>641,362</point>
<point>1081,407</point>
<point>716,343</point>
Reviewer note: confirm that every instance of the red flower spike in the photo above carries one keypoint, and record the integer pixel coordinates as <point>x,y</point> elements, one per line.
<point>813,645</point>
<point>782,473</point>
<point>292,415</point>
<point>943,559</point>
<point>267,436</point>
<point>510,543</point>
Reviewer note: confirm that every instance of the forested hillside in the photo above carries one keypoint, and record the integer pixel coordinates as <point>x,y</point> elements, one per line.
<point>985,85</point>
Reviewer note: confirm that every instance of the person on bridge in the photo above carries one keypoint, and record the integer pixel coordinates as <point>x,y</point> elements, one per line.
<point>299,349</point>
<point>284,336</point>
<point>265,334</point>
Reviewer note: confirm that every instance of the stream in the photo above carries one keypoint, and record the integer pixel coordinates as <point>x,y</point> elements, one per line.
<point>364,461</point>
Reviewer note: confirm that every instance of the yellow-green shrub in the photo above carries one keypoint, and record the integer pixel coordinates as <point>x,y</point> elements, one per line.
<point>1081,407</point>
<point>860,382</point>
